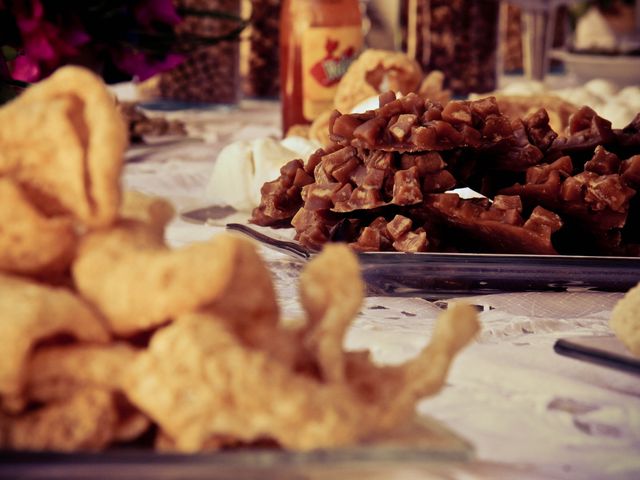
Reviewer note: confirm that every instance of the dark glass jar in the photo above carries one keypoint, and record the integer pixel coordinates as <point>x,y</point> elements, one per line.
<point>458,37</point>
<point>210,72</point>
<point>263,73</point>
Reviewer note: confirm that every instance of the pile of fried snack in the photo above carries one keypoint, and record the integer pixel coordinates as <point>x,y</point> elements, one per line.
<point>380,184</point>
<point>111,337</point>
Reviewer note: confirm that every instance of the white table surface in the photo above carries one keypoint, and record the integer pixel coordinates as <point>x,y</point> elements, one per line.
<point>529,412</point>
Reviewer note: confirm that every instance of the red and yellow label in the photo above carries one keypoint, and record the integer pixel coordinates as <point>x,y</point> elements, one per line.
<point>326,55</point>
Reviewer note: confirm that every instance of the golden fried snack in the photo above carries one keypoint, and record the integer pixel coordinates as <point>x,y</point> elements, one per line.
<point>519,106</point>
<point>86,421</point>
<point>331,293</point>
<point>375,72</point>
<point>625,320</point>
<point>319,128</point>
<point>138,283</point>
<point>198,381</point>
<point>432,87</point>
<point>245,394</point>
<point>56,372</point>
<point>30,312</point>
<point>65,146</point>
<point>331,284</point>
<point>398,388</point>
<point>153,211</point>
<point>30,242</point>
<point>131,424</point>
<point>202,384</point>
<point>164,443</point>
<point>298,130</point>
<point>248,299</point>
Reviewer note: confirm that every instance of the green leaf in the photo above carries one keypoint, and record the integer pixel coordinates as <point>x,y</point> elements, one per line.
<point>9,53</point>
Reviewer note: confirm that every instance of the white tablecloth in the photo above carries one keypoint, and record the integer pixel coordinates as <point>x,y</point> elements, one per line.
<point>527,411</point>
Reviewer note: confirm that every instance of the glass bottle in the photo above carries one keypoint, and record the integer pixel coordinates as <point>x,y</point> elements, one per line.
<point>318,41</point>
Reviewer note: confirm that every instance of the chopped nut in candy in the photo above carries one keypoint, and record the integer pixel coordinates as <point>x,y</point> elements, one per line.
<point>544,189</point>
<point>110,336</point>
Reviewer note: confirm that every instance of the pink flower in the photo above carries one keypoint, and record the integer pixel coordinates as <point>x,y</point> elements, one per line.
<point>148,12</point>
<point>39,45</point>
<point>141,67</point>
<point>30,24</point>
<point>46,45</point>
<point>53,39</point>
<point>77,37</point>
<point>25,69</point>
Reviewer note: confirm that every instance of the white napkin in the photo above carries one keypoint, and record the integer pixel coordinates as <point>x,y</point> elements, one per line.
<point>244,166</point>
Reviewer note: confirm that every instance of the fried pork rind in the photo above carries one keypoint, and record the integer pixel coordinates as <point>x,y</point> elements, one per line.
<point>395,390</point>
<point>331,292</point>
<point>432,87</point>
<point>201,382</point>
<point>625,320</point>
<point>198,381</point>
<point>375,72</point>
<point>65,146</point>
<point>30,242</point>
<point>56,372</point>
<point>225,372</point>
<point>86,421</point>
<point>138,283</point>
<point>30,312</point>
<point>131,423</point>
<point>319,128</point>
<point>153,211</point>
<point>298,130</point>
<point>247,300</point>
<point>520,106</point>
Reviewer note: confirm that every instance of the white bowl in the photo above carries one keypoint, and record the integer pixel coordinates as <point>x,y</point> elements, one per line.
<point>623,70</point>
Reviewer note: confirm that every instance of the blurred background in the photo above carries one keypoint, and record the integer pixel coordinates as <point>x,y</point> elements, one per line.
<point>222,50</point>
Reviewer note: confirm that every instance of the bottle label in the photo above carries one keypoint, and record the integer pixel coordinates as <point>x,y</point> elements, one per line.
<point>327,52</point>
